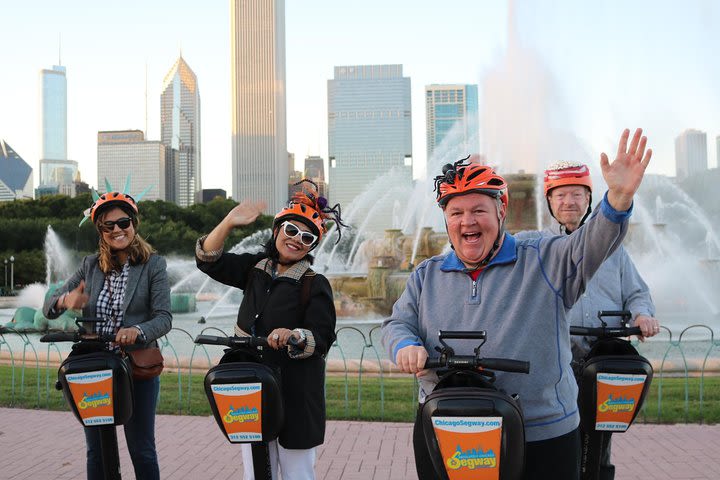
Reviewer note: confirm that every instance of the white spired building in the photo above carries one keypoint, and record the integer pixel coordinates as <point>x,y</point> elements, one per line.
<point>180,133</point>
<point>259,144</point>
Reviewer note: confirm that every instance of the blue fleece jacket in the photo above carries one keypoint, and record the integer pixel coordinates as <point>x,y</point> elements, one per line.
<point>521,299</point>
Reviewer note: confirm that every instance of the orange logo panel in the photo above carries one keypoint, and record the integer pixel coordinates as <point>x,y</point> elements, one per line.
<point>617,399</point>
<point>470,446</point>
<point>92,393</point>
<point>240,405</point>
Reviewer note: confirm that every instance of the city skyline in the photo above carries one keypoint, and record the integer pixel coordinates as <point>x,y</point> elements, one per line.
<point>610,66</point>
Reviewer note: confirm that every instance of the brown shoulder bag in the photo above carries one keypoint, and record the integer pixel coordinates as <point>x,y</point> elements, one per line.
<point>146,363</point>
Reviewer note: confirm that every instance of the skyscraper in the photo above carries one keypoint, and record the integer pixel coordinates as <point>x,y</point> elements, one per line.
<point>54,113</point>
<point>180,133</point>
<point>315,171</point>
<point>448,107</point>
<point>259,144</point>
<point>57,173</point>
<point>690,153</point>
<point>16,178</point>
<point>126,152</point>
<point>369,130</point>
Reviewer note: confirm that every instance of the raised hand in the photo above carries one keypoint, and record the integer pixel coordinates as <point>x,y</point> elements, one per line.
<point>75,299</point>
<point>624,175</point>
<point>245,213</point>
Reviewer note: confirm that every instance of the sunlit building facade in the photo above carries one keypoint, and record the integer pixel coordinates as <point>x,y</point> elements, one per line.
<point>449,107</point>
<point>259,144</point>
<point>54,113</point>
<point>369,131</point>
<point>126,152</point>
<point>180,133</point>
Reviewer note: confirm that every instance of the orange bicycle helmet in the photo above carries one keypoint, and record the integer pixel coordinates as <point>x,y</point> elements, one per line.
<point>462,178</point>
<point>567,173</point>
<point>113,199</point>
<point>308,207</point>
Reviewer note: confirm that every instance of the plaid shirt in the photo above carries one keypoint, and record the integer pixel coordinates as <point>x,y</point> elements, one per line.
<point>110,301</point>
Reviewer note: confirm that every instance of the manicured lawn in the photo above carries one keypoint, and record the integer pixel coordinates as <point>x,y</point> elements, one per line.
<point>181,394</point>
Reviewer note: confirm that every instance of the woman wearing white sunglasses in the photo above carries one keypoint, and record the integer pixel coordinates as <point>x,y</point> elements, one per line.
<point>283,297</point>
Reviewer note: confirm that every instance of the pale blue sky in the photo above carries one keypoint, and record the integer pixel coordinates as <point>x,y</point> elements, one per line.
<point>612,65</point>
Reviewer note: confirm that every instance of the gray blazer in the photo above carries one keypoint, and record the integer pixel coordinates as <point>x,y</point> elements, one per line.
<point>147,295</point>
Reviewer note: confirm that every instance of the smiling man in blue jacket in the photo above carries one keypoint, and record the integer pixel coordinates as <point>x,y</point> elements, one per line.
<point>519,291</point>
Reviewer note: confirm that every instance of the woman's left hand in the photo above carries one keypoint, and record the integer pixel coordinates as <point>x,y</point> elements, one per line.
<point>279,337</point>
<point>126,336</point>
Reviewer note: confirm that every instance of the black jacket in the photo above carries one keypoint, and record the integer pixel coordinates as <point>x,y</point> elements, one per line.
<point>274,303</point>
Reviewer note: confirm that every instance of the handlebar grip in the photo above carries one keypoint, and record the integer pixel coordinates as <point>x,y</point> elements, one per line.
<point>606,332</point>
<point>463,334</point>
<point>238,341</point>
<point>615,313</point>
<point>212,340</point>
<point>505,365</point>
<point>59,337</point>
<point>433,363</point>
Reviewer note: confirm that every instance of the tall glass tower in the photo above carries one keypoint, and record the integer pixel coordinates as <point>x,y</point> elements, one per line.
<point>54,113</point>
<point>369,131</point>
<point>180,133</point>
<point>448,108</point>
<point>259,143</point>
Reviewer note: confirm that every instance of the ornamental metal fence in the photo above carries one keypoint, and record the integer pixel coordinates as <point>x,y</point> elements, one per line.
<point>358,363</point>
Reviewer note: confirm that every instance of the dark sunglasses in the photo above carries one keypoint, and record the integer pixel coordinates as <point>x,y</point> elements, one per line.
<point>123,223</point>
<point>291,231</point>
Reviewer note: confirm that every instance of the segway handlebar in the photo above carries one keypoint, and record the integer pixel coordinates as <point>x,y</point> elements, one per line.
<point>605,332</point>
<point>448,359</point>
<point>75,337</point>
<point>470,362</point>
<point>82,335</point>
<point>609,332</point>
<point>238,342</point>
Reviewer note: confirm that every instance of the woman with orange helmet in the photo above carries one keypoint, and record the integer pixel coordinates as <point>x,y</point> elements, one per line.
<point>126,284</point>
<point>284,297</point>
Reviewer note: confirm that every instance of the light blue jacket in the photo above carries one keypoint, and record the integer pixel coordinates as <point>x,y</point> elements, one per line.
<point>617,285</point>
<point>521,299</point>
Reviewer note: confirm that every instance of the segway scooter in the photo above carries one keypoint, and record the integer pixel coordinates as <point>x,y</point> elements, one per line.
<point>613,381</point>
<point>245,396</point>
<point>472,429</point>
<point>97,384</point>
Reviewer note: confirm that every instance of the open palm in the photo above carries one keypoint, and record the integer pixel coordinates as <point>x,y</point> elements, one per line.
<point>245,213</point>
<point>624,175</point>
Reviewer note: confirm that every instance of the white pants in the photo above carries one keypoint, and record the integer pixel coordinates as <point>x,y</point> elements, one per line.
<point>294,464</point>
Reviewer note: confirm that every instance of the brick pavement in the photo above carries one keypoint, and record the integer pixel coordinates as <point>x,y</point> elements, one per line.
<point>39,445</point>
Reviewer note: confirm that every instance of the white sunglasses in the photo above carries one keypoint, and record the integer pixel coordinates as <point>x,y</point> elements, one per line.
<point>292,231</point>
